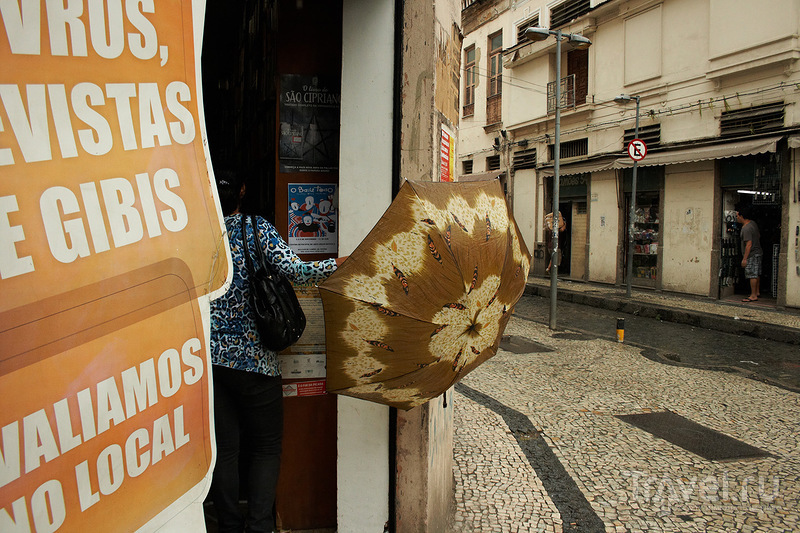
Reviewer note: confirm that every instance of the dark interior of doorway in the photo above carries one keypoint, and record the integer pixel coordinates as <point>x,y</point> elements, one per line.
<point>565,239</point>
<point>238,63</point>
<point>247,46</point>
<point>768,218</point>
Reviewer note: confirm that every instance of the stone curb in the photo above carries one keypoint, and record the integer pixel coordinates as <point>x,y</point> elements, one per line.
<point>726,324</point>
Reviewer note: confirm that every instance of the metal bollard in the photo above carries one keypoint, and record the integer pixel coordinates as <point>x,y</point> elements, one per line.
<point>620,329</point>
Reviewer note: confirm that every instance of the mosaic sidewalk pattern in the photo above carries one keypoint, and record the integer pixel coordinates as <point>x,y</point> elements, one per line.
<point>628,479</point>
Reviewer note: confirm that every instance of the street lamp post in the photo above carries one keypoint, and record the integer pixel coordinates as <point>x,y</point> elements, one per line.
<point>623,99</point>
<point>540,34</point>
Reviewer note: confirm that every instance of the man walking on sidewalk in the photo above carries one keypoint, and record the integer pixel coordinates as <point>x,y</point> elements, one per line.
<point>751,252</point>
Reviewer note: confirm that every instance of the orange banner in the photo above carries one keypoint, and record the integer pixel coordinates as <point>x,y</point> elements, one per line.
<point>103,435</point>
<point>102,160</point>
<point>109,234</point>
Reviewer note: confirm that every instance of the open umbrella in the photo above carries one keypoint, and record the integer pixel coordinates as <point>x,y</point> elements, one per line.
<point>425,297</point>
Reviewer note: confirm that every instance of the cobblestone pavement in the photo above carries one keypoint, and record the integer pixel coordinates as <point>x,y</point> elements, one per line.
<point>537,446</point>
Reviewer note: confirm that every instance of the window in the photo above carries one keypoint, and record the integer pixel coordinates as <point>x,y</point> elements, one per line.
<point>469,81</point>
<point>650,134</point>
<point>493,162</point>
<point>575,85</point>
<point>525,159</point>
<point>751,120</point>
<point>568,11</point>
<point>578,66</point>
<point>575,148</point>
<point>493,97</point>
<point>530,23</point>
<point>466,166</point>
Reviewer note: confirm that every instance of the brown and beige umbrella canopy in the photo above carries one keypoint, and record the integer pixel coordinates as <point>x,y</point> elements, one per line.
<point>424,299</point>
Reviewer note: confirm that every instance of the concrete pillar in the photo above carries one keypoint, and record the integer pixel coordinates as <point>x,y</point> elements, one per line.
<point>365,191</point>
<point>431,44</point>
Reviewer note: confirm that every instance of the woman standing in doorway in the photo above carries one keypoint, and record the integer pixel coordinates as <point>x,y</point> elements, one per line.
<point>248,397</point>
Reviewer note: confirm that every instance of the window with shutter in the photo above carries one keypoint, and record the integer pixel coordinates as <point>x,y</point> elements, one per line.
<point>525,159</point>
<point>751,120</point>
<point>469,81</point>
<point>495,89</point>
<point>568,11</point>
<point>530,23</point>
<point>578,64</point>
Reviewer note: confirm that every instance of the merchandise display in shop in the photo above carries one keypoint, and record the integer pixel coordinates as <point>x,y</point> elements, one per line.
<point>646,238</point>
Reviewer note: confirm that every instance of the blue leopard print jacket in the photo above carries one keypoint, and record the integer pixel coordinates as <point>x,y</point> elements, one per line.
<point>235,341</point>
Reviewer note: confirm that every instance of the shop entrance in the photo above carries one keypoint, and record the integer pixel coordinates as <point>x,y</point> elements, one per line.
<point>750,182</point>
<point>647,230</point>
<point>254,51</point>
<point>572,241</point>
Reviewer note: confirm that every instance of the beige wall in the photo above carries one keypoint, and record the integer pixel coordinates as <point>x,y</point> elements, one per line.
<point>603,227</point>
<point>525,207</point>
<point>366,189</point>
<point>687,227</point>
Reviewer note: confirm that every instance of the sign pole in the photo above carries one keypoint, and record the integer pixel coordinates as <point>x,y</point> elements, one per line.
<point>632,148</point>
<point>556,189</point>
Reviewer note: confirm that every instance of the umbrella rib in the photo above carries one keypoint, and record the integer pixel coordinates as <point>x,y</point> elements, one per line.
<point>380,307</point>
<point>444,238</point>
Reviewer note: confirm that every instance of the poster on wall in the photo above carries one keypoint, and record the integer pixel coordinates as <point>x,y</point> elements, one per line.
<point>303,364</point>
<point>111,243</point>
<point>309,124</point>
<point>447,158</point>
<point>313,213</point>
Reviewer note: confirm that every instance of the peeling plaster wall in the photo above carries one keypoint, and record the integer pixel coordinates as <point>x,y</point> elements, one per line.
<point>793,248</point>
<point>417,91</point>
<point>603,227</point>
<point>687,227</point>
<point>448,70</point>
<point>429,99</point>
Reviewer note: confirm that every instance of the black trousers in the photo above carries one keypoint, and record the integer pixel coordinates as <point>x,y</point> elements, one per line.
<point>248,415</point>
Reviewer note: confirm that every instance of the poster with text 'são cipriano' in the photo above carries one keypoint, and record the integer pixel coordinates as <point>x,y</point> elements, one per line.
<point>111,243</point>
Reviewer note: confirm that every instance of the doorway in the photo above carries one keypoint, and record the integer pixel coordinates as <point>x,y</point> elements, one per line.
<point>253,51</point>
<point>768,219</point>
<point>751,182</point>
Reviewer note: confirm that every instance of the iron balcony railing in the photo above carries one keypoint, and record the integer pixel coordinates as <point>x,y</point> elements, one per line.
<point>567,94</point>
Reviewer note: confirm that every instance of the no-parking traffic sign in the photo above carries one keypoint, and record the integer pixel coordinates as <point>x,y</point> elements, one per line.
<point>637,149</point>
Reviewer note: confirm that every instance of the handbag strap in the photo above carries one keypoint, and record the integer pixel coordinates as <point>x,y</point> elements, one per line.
<point>259,249</point>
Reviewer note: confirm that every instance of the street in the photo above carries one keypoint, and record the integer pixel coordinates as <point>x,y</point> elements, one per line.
<point>546,438</point>
<point>774,362</point>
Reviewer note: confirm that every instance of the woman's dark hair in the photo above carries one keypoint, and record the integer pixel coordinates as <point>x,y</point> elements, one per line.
<point>229,188</point>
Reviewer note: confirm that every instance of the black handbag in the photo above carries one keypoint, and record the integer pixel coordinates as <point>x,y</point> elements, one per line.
<point>279,318</point>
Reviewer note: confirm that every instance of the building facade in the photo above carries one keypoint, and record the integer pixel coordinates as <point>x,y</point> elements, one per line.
<point>717,88</point>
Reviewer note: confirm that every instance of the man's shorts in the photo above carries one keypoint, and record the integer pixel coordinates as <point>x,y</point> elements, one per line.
<point>753,267</point>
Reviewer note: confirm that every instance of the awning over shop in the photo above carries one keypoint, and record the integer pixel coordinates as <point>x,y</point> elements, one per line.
<point>794,141</point>
<point>485,176</point>
<point>704,153</point>
<point>579,168</point>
